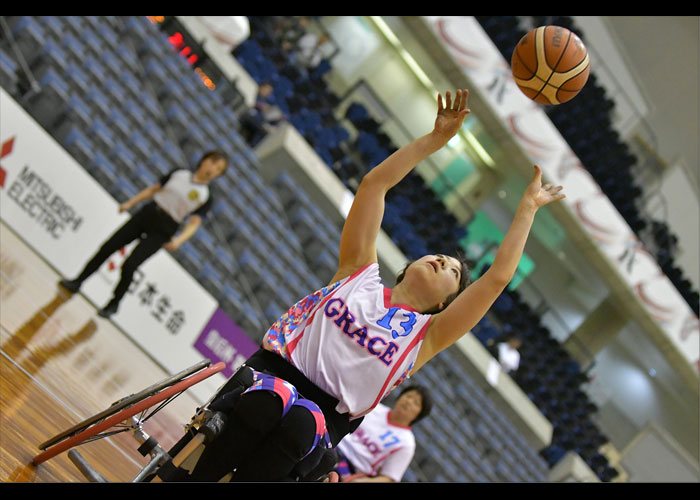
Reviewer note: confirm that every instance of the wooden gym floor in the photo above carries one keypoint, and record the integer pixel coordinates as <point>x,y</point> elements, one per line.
<point>61,363</point>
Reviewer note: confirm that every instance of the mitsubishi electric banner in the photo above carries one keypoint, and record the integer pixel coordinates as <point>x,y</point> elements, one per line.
<point>481,61</point>
<point>60,211</point>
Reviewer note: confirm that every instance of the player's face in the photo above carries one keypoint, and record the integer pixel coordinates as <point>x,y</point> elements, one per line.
<point>439,275</point>
<point>409,405</point>
<point>212,168</point>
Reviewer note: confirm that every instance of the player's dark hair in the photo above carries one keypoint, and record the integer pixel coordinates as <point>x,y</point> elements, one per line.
<point>214,155</point>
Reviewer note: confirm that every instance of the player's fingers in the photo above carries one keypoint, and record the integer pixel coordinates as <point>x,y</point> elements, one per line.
<point>465,97</point>
<point>538,173</point>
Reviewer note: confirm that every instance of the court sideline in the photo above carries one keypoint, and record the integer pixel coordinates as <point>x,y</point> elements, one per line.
<point>61,363</point>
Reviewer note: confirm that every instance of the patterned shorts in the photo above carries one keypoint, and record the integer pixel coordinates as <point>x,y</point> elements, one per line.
<point>290,397</point>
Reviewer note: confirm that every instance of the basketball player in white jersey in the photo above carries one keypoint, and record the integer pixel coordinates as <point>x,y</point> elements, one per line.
<point>346,346</point>
<point>381,449</point>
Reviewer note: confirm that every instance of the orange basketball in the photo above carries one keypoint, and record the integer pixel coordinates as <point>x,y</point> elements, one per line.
<point>550,65</point>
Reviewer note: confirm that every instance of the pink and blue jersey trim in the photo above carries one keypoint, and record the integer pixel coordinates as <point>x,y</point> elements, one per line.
<point>286,391</point>
<point>278,334</point>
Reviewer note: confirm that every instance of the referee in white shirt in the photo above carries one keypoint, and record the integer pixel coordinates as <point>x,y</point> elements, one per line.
<point>180,195</point>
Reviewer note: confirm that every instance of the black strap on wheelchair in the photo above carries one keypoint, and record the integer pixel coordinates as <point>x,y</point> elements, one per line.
<point>229,395</point>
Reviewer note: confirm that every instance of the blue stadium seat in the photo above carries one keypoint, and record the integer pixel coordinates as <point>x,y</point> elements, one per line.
<point>122,157</point>
<point>114,89</point>
<point>103,171</point>
<point>133,110</point>
<point>121,125</point>
<point>130,83</point>
<point>254,269</point>
<point>224,215</point>
<point>211,279</point>
<point>143,176</point>
<point>150,105</point>
<point>234,299</point>
<point>29,36</point>
<point>104,28</point>
<point>95,44</point>
<point>190,257</point>
<point>123,189</point>
<point>98,102</point>
<point>224,261</point>
<point>74,113</point>
<point>77,78</point>
<point>204,242</point>
<point>272,312</point>
<point>102,135</point>
<point>55,93</point>
<point>155,44</point>
<point>77,143</point>
<point>95,69</point>
<point>324,265</point>
<point>241,312</point>
<point>193,142</point>
<point>173,154</point>
<point>177,118</point>
<point>140,145</point>
<point>158,76</point>
<point>137,29</point>
<point>74,23</point>
<point>304,226</point>
<point>53,26</point>
<point>8,73</point>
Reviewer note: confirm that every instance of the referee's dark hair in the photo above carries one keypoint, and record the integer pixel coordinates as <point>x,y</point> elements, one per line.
<point>426,401</point>
<point>214,155</point>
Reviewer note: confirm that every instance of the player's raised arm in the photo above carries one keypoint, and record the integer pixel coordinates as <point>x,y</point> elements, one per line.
<point>472,304</point>
<point>358,240</point>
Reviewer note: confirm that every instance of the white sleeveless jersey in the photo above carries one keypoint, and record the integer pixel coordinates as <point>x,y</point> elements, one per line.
<point>379,447</point>
<point>180,195</point>
<point>349,340</point>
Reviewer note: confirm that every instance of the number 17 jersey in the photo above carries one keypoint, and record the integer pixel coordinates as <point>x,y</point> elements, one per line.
<point>350,340</point>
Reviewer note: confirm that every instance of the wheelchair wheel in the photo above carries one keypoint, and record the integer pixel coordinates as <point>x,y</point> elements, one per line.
<point>161,392</point>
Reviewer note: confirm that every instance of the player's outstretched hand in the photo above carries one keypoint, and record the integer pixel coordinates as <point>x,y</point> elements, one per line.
<point>451,115</point>
<point>536,195</point>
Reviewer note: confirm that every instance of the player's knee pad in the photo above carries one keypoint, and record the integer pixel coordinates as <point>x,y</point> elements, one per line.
<point>296,433</point>
<point>321,437</point>
<point>230,393</point>
<point>265,402</point>
<point>316,465</point>
<point>258,411</point>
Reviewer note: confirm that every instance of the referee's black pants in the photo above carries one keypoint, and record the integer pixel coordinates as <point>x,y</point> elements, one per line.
<point>152,226</point>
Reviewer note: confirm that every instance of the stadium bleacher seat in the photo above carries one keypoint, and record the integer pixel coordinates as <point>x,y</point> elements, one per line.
<point>79,145</point>
<point>9,76</point>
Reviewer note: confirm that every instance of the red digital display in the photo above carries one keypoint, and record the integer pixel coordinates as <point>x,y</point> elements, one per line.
<point>178,43</point>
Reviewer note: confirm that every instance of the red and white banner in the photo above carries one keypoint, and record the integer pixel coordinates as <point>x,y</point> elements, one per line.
<point>60,211</point>
<point>476,54</point>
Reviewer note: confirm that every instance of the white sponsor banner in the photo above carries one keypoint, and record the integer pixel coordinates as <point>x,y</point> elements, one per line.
<point>59,210</point>
<point>482,62</point>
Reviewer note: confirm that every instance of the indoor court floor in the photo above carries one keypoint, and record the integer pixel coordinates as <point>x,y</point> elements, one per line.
<point>61,363</point>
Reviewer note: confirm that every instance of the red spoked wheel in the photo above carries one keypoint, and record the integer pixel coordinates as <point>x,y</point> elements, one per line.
<point>92,427</point>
